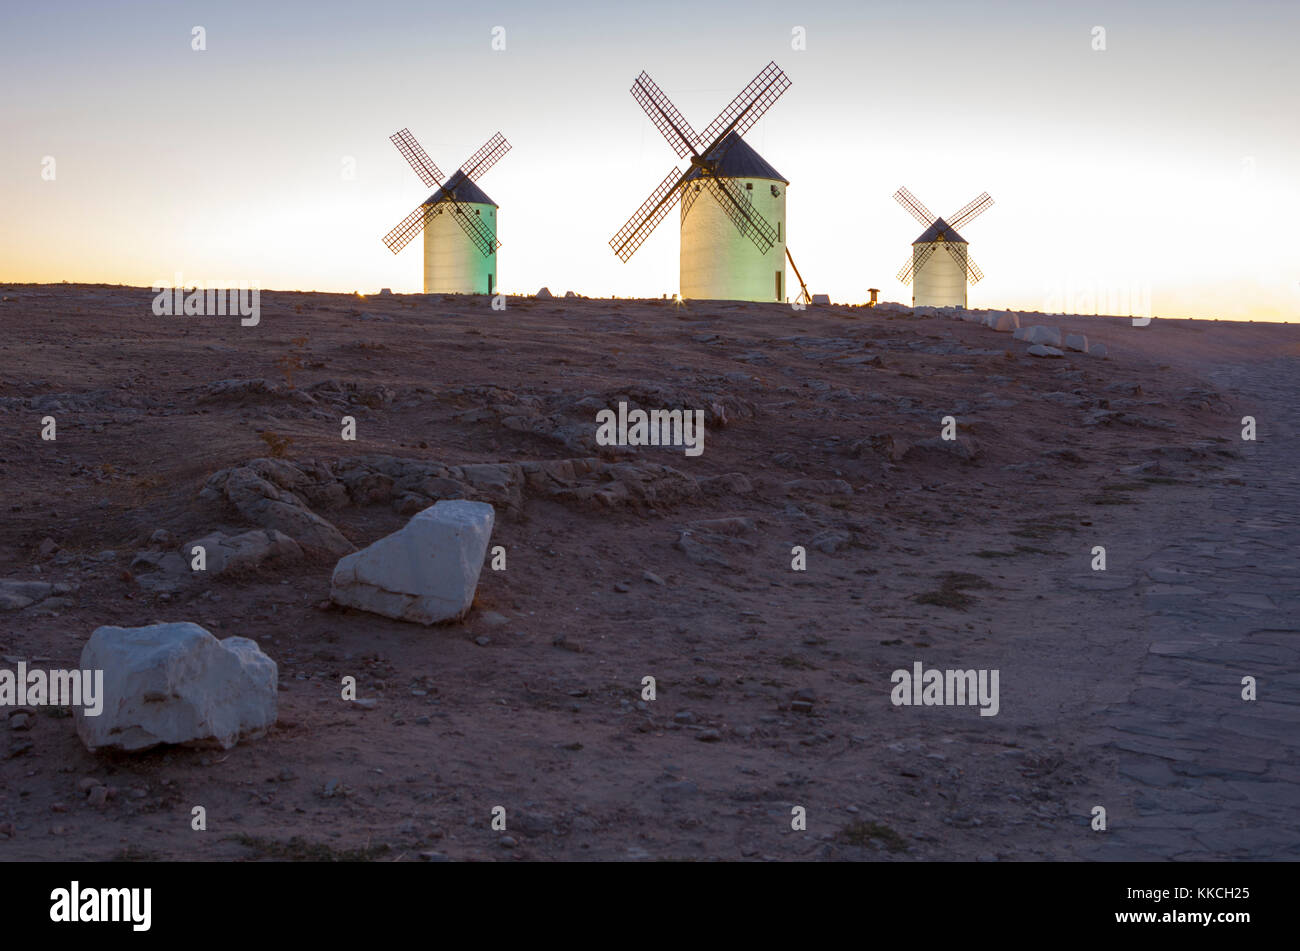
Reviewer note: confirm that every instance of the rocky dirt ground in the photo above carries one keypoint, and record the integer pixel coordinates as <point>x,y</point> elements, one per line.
<point>773,685</point>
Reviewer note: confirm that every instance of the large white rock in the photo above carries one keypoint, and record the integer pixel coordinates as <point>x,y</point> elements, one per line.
<point>1076,342</point>
<point>1098,350</point>
<point>1038,350</point>
<point>425,572</point>
<point>176,683</point>
<point>821,298</point>
<point>1007,322</point>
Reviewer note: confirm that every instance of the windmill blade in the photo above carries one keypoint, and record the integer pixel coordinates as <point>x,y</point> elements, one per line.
<point>406,230</point>
<point>917,260</point>
<point>690,192</point>
<point>904,274</point>
<point>482,160</point>
<point>913,205</point>
<point>973,274</point>
<point>957,252</point>
<point>970,211</point>
<point>748,107</point>
<point>646,218</point>
<point>747,219</point>
<point>671,124</point>
<point>472,225</point>
<point>416,157</point>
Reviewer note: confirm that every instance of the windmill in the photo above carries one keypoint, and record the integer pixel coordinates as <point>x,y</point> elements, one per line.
<point>725,242</point>
<point>459,220</point>
<point>940,280</point>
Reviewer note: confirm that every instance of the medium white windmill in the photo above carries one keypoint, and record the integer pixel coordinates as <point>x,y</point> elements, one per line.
<point>939,280</point>
<point>725,242</point>
<point>459,221</point>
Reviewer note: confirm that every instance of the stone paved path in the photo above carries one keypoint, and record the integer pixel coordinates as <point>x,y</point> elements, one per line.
<point>1203,774</point>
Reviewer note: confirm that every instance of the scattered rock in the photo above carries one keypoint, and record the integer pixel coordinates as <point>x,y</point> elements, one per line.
<point>544,293</point>
<point>425,572</point>
<point>1038,350</point>
<point>831,540</point>
<point>176,683</point>
<point>261,492</point>
<point>965,448</point>
<point>248,550</point>
<point>1077,342</point>
<point>15,595</point>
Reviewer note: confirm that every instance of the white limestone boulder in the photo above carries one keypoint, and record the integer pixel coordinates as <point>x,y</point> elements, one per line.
<point>544,293</point>
<point>1038,350</point>
<point>176,683</point>
<point>425,572</point>
<point>821,298</point>
<point>1077,342</point>
<point>1006,322</point>
<point>1098,350</point>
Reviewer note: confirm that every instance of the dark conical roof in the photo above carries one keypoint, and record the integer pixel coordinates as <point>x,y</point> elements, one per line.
<point>462,189</point>
<point>940,227</point>
<point>739,161</point>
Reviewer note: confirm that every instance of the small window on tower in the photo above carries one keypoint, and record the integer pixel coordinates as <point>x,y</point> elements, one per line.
<point>749,186</point>
<point>478,211</point>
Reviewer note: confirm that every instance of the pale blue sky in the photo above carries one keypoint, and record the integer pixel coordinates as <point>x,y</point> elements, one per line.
<point>1166,163</point>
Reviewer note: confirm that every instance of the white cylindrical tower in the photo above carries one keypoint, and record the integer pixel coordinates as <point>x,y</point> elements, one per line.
<point>941,280</point>
<point>454,264</point>
<point>718,262</point>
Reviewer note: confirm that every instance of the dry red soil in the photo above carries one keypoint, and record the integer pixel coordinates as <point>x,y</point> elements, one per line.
<point>773,685</point>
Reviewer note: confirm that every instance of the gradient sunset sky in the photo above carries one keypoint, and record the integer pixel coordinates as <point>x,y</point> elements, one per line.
<point>1167,164</point>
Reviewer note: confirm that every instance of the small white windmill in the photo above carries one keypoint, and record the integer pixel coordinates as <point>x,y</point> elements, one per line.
<point>939,280</point>
<point>459,220</point>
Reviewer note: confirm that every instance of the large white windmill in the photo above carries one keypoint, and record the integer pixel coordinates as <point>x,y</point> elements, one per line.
<point>459,221</point>
<point>726,243</point>
<point>939,280</point>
